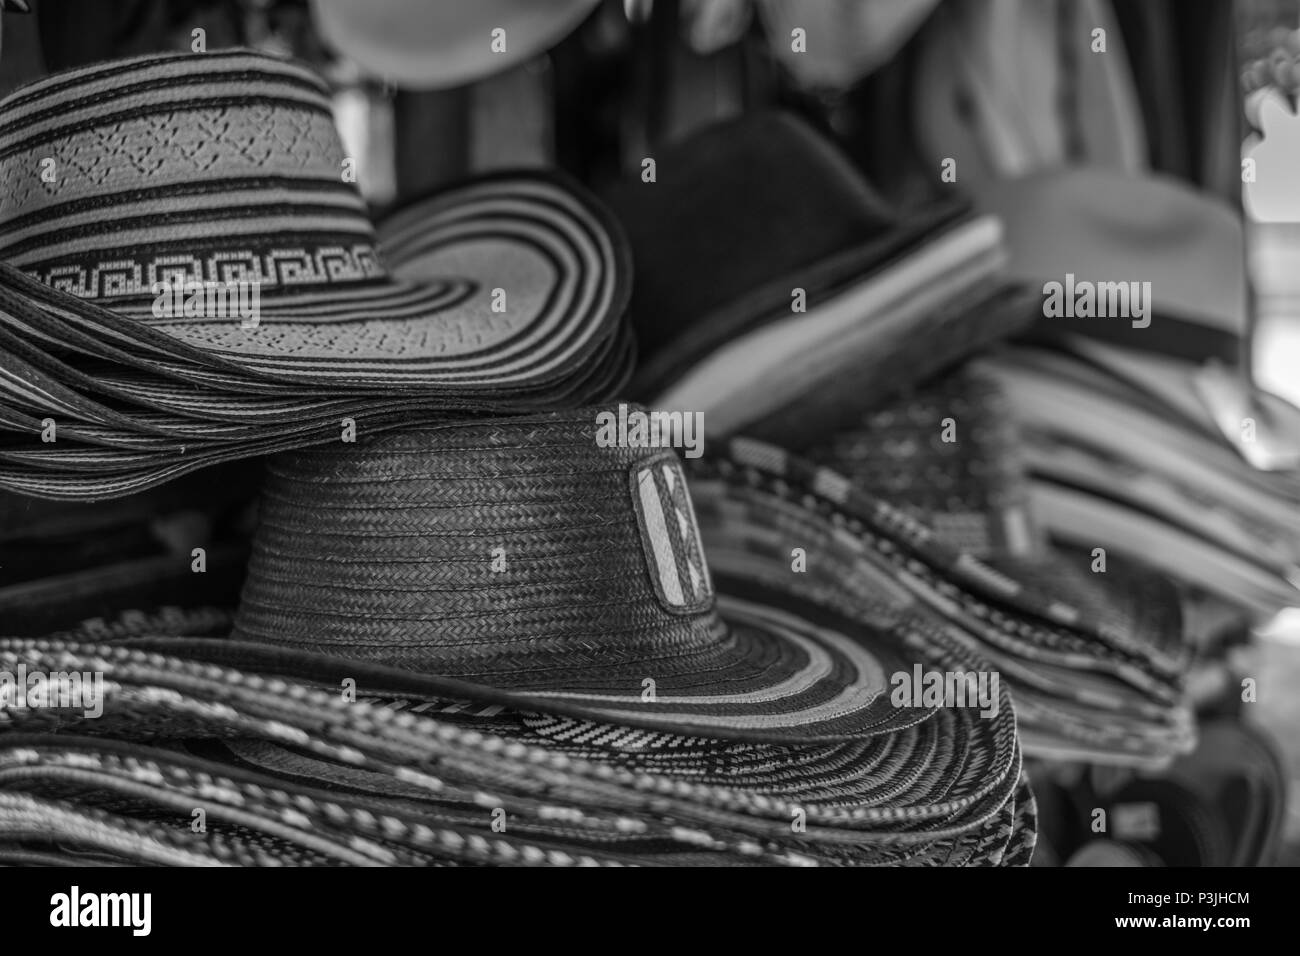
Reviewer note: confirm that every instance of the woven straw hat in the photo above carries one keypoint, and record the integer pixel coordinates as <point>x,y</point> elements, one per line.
<point>520,555</point>
<point>227,167</point>
<point>127,181</point>
<point>421,759</point>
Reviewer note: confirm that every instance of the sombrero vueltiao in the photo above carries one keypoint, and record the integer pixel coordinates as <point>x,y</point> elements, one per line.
<point>226,167</point>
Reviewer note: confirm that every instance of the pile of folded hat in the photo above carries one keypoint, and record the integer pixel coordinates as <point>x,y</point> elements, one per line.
<point>187,282</point>
<point>463,637</point>
<point>1140,433</point>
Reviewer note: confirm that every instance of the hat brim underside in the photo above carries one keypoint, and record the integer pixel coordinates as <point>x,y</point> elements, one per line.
<point>93,474</point>
<point>229,424</point>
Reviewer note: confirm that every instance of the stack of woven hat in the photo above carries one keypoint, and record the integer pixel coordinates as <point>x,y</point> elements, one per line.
<point>920,513</point>
<point>189,282</point>
<point>500,642</point>
<point>1141,435</point>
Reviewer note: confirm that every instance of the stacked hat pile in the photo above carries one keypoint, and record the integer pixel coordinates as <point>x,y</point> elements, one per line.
<point>1095,668</point>
<point>772,279</point>
<point>500,641</point>
<point>1140,433</point>
<point>189,281</point>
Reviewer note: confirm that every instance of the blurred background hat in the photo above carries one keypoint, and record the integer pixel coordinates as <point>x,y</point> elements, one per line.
<point>423,45</point>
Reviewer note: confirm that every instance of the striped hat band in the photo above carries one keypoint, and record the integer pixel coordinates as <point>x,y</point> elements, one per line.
<point>213,167</point>
<point>209,198</point>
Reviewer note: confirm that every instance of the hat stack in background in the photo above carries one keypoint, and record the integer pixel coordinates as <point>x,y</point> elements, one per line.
<point>1096,672</point>
<point>1132,433</point>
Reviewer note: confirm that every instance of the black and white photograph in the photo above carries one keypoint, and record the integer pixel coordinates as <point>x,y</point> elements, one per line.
<point>651,433</point>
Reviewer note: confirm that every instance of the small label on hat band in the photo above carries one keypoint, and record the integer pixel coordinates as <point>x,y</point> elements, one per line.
<point>670,536</point>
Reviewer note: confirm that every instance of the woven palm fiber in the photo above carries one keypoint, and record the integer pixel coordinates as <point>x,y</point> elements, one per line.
<point>1033,603</point>
<point>228,167</point>
<point>971,489</point>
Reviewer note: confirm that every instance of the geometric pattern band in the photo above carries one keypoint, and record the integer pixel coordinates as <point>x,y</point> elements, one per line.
<point>133,276</point>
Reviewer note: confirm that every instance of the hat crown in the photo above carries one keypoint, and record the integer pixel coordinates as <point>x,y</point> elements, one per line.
<point>503,551</point>
<point>211,167</point>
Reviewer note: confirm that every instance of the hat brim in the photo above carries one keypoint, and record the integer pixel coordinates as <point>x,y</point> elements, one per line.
<point>519,278</point>
<point>791,353</point>
<point>771,675</point>
<point>999,582</point>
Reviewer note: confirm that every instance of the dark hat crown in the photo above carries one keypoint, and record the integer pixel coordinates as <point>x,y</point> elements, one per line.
<point>503,551</point>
